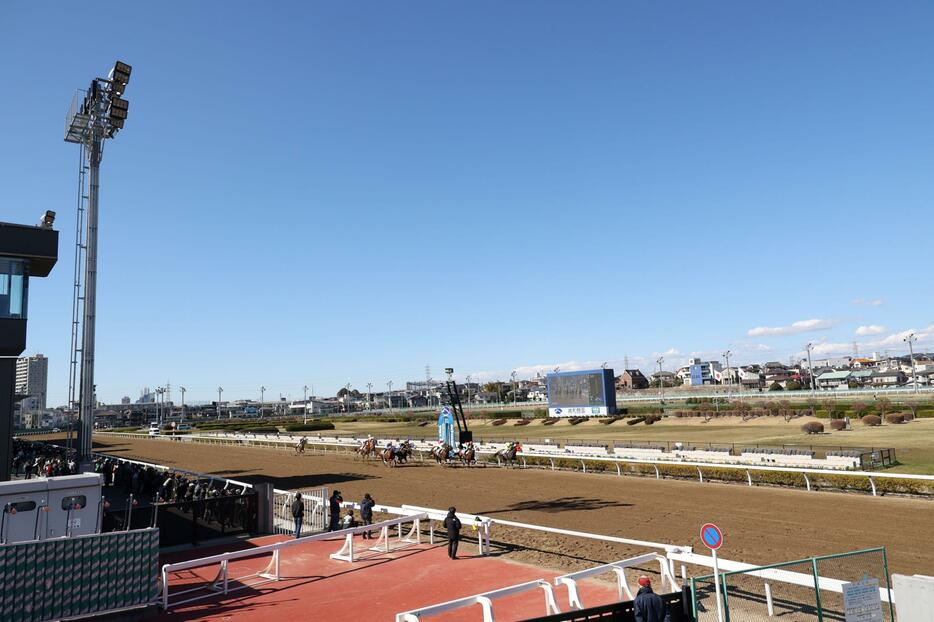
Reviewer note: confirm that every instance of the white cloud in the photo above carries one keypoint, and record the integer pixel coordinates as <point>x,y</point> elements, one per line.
<point>869,302</point>
<point>826,348</point>
<point>924,336</point>
<point>872,329</point>
<point>801,326</point>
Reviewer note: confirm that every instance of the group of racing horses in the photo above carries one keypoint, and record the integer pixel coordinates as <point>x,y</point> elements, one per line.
<point>443,453</point>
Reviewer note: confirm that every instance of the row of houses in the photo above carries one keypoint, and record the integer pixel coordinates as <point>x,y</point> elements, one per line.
<point>842,372</point>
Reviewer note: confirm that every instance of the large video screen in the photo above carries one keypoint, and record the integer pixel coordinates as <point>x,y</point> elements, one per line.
<point>584,389</point>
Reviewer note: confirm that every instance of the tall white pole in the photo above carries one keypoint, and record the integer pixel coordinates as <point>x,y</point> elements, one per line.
<point>305,405</point>
<point>911,354</point>
<point>716,583</point>
<point>389,384</point>
<point>219,392</point>
<point>810,346</point>
<point>182,389</point>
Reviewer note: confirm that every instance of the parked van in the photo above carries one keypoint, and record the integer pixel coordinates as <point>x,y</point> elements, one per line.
<point>154,429</point>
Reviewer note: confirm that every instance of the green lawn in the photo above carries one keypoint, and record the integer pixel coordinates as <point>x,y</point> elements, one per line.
<point>912,441</point>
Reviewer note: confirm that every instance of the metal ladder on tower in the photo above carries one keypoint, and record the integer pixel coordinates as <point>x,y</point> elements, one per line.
<point>77,303</point>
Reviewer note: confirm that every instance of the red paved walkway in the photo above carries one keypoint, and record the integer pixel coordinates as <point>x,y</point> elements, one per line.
<point>313,586</point>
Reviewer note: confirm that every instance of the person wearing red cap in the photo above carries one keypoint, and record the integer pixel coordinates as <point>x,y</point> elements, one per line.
<point>648,606</point>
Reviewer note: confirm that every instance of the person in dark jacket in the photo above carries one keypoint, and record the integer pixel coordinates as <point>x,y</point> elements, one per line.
<point>298,513</point>
<point>334,510</point>
<point>453,525</point>
<point>648,606</point>
<point>366,513</point>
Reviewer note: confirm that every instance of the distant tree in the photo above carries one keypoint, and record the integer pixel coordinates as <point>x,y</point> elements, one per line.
<point>793,385</point>
<point>775,387</point>
<point>831,407</point>
<point>884,405</point>
<point>860,408</point>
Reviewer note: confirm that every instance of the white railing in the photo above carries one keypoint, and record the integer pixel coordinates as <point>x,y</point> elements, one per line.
<point>485,600</point>
<point>315,520</point>
<point>622,588</point>
<point>221,582</point>
<point>338,444</point>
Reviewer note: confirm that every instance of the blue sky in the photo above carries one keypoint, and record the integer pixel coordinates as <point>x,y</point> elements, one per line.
<point>323,193</point>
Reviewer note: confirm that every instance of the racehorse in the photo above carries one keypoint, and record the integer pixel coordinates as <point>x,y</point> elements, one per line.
<point>368,447</point>
<point>441,453</point>
<point>468,455</point>
<point>508,454</point>
<point>398,455</point>
<point>300,446</point>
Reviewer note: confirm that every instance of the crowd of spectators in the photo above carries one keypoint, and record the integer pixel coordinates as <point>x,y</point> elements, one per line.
<point>37,459</point>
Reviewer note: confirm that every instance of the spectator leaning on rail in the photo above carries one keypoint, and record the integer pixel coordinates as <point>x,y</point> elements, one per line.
<point>334,510</point>
<point>453,525</point>
<point>648,606</point>
<point>366,513</point>
<point>298,513</point>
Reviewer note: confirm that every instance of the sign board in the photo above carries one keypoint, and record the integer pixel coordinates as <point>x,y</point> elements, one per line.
<point>446,427</point>
<point>711,536</point>
<point>862,602</point>
<point>579,411</point>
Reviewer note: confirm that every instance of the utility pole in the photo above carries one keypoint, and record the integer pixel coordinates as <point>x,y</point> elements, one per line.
<point>262,399</point>
<point>389,384</point>
<point>910,339</point>
<point>183,389</point>
<point>810,347</point>
<point>219,392</point>
<point>661,388</point>
<point>729,392</point>
<point>513,374</point>
<point>468,389</point>
<point>369,389</point>
<point>347,398</point>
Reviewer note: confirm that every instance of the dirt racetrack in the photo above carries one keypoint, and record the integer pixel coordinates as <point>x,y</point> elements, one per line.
<point>760,524</point>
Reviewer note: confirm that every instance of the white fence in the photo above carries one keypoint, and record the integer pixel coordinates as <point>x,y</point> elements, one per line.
<point>221,583</point>
<point>485,600</point>
<point>315,520</point>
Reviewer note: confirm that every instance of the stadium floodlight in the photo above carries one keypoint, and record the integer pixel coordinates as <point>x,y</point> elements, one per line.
<point>118,108</point>
<point>120,77</point>
<point>48,219</point>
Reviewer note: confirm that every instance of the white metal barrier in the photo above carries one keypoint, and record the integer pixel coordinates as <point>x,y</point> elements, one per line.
<point>316,511</point>
<point>220,584</point>
<point>385,543</point>
<point>622,587</point>
<point>485,600</point>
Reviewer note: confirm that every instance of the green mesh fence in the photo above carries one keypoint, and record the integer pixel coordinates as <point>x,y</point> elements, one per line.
<point>54,579</point>
<point>808,590</point>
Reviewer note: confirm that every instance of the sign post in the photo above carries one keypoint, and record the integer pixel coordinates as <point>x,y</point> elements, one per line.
<point>712,538</point>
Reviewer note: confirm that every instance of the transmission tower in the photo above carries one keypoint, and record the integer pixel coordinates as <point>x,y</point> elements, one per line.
<point>77,299</point>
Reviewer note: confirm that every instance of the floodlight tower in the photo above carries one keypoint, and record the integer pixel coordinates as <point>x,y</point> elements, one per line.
<point>94,117</point>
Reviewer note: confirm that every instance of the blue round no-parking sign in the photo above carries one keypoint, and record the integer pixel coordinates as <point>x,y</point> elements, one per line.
<point>711,536</point>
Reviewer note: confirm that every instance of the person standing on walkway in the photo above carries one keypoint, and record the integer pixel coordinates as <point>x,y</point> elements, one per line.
<point>298,513</point>
<point>334,510</point>
<point>453,525</point>
<point>366,513</point>
<point>648,606</point>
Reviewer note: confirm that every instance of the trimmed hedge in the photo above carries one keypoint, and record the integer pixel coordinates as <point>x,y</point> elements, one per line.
<point>895,418</point>
<point>872,420</point>
<point>813,427</point>
<point>837,424</point>
<point>498,422</point>
<point>523,422</point>
<point>311,426</point>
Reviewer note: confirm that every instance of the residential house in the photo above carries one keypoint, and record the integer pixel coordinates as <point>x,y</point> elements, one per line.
<point>888,378</point>
<point>834,379</point>
<point>632,379</point>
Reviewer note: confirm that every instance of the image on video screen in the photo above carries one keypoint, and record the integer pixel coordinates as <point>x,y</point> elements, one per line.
<point>576,390</point>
